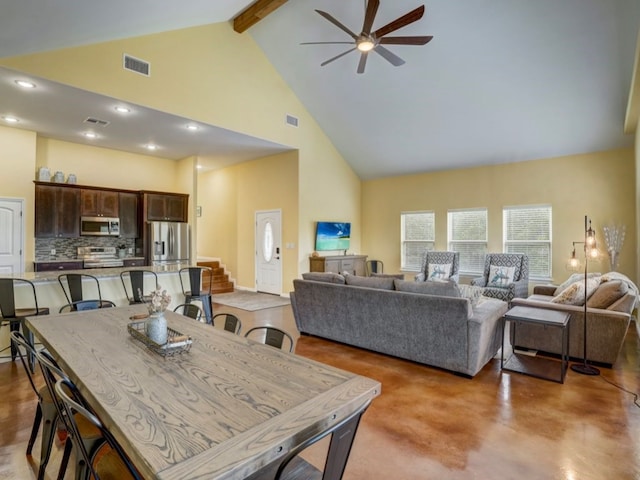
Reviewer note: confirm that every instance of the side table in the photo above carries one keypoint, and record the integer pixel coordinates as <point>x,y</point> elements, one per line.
<point>538,367</point>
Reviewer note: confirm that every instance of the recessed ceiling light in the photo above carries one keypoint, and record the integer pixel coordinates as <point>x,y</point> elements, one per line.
<point>90,135</point>
<point>193,126</point>
<point>121,109</point>
<point>25,84</point>
<point>10,119</point>
<point>151,146</point>
<point>198,166</point>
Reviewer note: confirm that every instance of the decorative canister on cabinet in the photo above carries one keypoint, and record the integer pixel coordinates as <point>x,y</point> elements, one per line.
<point>71,179</point>
<point>58,177</point>
<point>44,175</point>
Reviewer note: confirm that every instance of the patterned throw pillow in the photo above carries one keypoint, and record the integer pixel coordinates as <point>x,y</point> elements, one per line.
<point>471,292</point>
<point>439,271</point>
<point>500,276</point>
<point>574,293</point>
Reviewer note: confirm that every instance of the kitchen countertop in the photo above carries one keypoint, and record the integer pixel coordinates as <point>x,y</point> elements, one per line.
<point>75,259</point>
<point>44,277</point>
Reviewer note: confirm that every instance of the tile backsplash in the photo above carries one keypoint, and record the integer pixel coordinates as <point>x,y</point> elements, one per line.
<point>68,247</point>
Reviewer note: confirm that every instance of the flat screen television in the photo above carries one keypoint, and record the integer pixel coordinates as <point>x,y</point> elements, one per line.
<point>333,235</point>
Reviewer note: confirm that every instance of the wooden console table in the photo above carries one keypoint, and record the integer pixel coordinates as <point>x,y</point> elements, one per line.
<point>354,264</point>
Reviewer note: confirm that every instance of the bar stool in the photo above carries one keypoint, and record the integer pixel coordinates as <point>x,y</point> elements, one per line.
<point>14,317</point>
<point>74,292</point>
<point>136,284</point>
<point>194,290</point>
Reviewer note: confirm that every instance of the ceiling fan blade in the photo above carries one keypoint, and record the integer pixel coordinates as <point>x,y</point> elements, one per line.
<point>406,40</point>
<point>370,15</point>
<point>337,57</point>
<point>337,24</point>
<point>392,58</point>
<point>362,62</point>
<point>326,43</point>
<point>412,16</point>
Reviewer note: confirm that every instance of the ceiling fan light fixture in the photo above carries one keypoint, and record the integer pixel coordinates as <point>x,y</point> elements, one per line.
<point>366,45</point>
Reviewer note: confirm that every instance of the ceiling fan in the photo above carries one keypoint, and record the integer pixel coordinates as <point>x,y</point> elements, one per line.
<point>369,41</point>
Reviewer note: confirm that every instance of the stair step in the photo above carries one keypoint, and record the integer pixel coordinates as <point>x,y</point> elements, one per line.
<point>226,287</point>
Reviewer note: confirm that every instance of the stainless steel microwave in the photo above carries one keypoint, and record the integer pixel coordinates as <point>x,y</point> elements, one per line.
<point>100,226</point>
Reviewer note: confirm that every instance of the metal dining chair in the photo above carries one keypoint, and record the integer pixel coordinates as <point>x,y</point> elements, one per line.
<point>90,436</point>
<point>81,305</point>
<point>272,336</point>
<point>107,460</point>
<point>193,290</point>
<point>74,292</point>
<point>231,322</point>
<point>342,436</point>
<point>14,317</point>
<point>46,412</point>
<point>190,310</point>
<point>135,292</point>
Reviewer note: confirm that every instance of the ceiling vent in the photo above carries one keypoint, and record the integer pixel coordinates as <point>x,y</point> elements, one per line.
<point>96,121</point>
<point>136,65</point>
<point>291,120</point>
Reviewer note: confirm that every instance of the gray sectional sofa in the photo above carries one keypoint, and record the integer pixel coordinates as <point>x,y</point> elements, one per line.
<point>386,315</point>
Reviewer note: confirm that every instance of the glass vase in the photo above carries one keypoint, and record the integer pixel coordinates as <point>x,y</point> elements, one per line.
<point>155,328</point>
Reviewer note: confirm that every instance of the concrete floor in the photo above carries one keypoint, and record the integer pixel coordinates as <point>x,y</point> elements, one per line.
<point>432,424</point>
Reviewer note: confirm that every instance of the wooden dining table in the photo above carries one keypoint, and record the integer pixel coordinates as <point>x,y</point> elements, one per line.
<point>228,408</point>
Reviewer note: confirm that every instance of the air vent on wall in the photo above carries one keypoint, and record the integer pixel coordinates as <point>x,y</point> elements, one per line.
<point>96,121</point>
<point>291,120</point>
<point>136,65</point>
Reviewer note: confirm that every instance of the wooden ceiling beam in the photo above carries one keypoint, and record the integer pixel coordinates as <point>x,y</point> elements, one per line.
<point>254,13</point>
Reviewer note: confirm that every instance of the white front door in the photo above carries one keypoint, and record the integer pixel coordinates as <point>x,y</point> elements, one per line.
<point>268,252</point>
<point>11,236</point>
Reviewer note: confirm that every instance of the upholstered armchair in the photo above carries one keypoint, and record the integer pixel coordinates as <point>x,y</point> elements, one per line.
<point>505,277</point>
<point>439,266</point>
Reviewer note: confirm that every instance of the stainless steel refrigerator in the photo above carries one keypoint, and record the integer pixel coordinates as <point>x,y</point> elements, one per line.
<point>168,243</point>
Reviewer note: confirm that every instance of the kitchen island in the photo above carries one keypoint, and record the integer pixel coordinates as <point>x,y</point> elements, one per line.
<point>50,293</point>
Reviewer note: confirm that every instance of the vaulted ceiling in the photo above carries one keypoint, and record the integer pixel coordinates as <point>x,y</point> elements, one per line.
<point>501,81</point>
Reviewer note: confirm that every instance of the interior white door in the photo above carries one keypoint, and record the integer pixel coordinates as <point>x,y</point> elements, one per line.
<point>268,252</point>
<point>11,236</point>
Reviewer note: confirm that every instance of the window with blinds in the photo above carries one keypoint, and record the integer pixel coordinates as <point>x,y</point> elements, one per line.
<point>418,235</point>
<point>467,234</point>
<point>527,229</point>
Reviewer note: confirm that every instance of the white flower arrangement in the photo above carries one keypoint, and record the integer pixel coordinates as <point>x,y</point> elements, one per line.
<point>159,300</point>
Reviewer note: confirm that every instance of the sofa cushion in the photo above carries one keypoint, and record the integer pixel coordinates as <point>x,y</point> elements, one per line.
<point>445,289</point>
<point>399,276</point>
<point>500,276</point>
<point>607,293</point>
<point>574,293</point>
<point>439,271</point>
<point>324,277</point>
<point>371,282</point>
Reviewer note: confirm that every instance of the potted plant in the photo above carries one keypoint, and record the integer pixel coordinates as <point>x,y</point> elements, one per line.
<point>122,250</point>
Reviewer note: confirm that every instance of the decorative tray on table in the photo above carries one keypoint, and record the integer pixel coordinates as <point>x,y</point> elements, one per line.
<point>177,343</point>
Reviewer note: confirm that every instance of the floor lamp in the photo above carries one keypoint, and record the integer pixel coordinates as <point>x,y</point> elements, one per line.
<point>590,251</point>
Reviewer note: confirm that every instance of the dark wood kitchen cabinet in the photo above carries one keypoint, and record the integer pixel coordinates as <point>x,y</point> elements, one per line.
<point>165,207</point>
<point>57,211</point>
<point>99,203</point>
<point>129,227</point>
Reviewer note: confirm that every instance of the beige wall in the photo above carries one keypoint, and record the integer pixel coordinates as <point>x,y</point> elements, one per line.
<point>213,75</point>
<point>109,168</point>
<point>230,199</point>
<point>18,164</point>
<point>600,185</point>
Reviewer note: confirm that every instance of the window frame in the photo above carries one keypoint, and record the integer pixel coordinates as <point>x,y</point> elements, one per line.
<point>463,267</point>
<point>505,242</point>
<point>403,242</point>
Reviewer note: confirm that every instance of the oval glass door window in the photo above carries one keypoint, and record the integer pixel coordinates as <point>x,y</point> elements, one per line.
<point>267,246</point>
